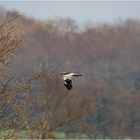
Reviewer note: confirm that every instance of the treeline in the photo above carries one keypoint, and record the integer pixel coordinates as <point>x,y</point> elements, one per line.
<point>105,52</point>
<point>105,102</point>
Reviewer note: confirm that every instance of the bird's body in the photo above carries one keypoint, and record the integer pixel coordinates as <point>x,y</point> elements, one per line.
<point>67,77</point>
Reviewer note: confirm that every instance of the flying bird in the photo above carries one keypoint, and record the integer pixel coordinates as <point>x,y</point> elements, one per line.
<point>67,77</point>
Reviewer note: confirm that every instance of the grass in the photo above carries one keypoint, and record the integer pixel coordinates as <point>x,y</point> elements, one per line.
<point>8,134</point>
<point>12,134</point>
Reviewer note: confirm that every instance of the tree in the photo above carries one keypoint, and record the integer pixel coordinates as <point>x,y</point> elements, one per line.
<point>46,108</point>
<point>9,42</point>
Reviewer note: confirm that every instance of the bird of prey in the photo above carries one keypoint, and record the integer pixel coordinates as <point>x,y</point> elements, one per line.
<point>67,77</point>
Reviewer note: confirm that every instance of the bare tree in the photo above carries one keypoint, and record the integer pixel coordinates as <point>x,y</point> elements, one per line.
<point>47,108</point>
<point>9,42</point>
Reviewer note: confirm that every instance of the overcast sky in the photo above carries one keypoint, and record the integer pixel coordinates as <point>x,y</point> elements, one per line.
<point>101,11</point>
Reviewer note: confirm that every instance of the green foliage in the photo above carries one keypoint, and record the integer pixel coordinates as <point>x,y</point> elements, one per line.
<point>12,134</point>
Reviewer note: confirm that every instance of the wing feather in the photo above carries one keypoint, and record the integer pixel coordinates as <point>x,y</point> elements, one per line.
<point>68,84</point>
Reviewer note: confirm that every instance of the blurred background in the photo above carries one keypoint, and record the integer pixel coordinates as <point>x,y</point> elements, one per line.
<point>100,40</point>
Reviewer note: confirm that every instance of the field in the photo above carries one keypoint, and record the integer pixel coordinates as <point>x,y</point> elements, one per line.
<point>11,134</point>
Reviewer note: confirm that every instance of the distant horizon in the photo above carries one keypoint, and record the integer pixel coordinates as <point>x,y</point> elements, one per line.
<point>81,12</point>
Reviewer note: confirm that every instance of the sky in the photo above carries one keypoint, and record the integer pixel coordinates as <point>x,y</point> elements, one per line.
<point>81,11</point>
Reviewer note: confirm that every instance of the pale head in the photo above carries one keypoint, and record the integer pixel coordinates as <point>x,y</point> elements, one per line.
<point>63,73</point>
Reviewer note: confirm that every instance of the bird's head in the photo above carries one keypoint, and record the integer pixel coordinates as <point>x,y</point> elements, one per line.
<point>63,73</point>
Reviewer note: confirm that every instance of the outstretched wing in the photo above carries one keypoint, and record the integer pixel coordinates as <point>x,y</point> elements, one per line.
<point>75,74</point>
<point>68,84</point>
